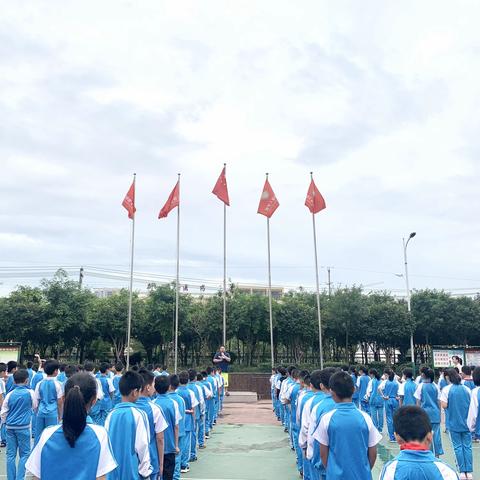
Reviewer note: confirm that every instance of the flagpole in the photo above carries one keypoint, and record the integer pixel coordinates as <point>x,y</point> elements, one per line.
<point>320,341</point>
<point>177,285</point>
<point>129,319</point>
<point>270,291</point>
<point>225,269</point>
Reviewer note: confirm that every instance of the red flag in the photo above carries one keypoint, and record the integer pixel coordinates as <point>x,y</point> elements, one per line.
<point>172,202</point>
<point>129,201</point>
<point>220,189</point>
<point>314,200</point>
<point>268,201</point>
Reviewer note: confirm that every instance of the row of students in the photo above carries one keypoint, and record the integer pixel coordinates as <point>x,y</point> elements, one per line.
<point>152,432</point>
<point>299,401</point>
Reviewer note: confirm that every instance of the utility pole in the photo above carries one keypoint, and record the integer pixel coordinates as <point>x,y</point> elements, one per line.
<point>80,278</point>
<point>329,282</point>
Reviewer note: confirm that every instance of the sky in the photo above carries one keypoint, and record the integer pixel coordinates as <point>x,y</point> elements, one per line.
<point>379,100</point>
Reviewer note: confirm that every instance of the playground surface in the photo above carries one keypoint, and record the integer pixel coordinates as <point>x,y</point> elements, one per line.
<point>249,444</point>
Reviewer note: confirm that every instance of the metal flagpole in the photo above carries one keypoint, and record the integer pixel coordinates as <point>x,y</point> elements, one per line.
<point>320,342</point>
<point>224,274</point>
<point>270,292</point>
<point>177,292</point>
<point>129,321</point>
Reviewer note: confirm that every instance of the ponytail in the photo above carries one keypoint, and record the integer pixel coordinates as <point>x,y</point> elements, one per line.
<point>79,391</point>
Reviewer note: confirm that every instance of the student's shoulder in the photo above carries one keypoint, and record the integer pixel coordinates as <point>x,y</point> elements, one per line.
<point>447,472</point>
<point>98,430</point>
<point>388,470</point>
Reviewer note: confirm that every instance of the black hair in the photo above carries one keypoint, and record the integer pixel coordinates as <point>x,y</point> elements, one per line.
<point>315,379</point>
<point>89,367</point>
<point>209,370</point>
<point>119,366</point>
<point>282,371</point>
<point>430,374</point>
<point>61,366</point>
<point>135,368</point>
<point>183,377</point>
<point>326,374</point>
<point>408,372</point>
<point>192,374</point>
<point>476,376</point>
<point>341,384</point>
<point>150,367</point>
<point>344,368</point>
<point>375,373</point>
<point>353,370</point>
<point>424,369</point>
<point>80,389</point>
<point>204,374</point>
<point>11,365</point>
<point>104,367</point>
<point>460,361</point>
<point>302,374</point>
<point>453,376</point>
<point>147,375</point>
<point>390,373</point>
<point>130,381</point>
<point>3,367</point>
<point>294,373</point>
<point>199,377</point>
<point>467,370</point>
<point>70,370</point>
<point>20,376</point>
<point>157,365</point>
<point>411,423</point>
<point>306,380</point>
<point>362,369</point>
<point>290,369</point>
<point>162,382</point>
<point>174,381</point>
<point>29,364</point>
<point>51,366</point>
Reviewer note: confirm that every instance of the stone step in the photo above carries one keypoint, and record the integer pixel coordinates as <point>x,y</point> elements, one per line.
<point>241,397</point>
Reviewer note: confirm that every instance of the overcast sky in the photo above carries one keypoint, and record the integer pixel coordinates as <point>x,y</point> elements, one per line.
<point>379,99</point>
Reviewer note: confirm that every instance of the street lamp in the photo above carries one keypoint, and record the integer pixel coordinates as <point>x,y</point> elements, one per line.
<point>409,305</point>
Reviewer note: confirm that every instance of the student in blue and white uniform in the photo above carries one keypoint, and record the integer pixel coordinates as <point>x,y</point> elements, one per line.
<point>192,378</point>
<point>173,417</point>
<point>210,420</point>
<point>204,394</point>
<point>272,386</point>
<point>354,377</point>
<point>11,369</point>
<point>3,392</point>
<point>61,377</point>
<point>474,409</point>
<point>31,372</point>
<point>303,398</point>
<point>375,400</point>
<point>191,403</point>
<point>207,387</point>
<point>406,389</point>
<point>416,461</point>
<point>466,375</point>
<point>347,435</point>
<point>156,422</point>
<point>172,394</point>
<point>118,368</point>
<point>49,399</point>
<point>389,391</point>
<point>428,397</point>
<point>291,397</point>
<point>127,427</point>
<point>105,405</point>
<point>362,384</point>
<point>74,450</point>
<point>16,413</point>
<point>455,398</point>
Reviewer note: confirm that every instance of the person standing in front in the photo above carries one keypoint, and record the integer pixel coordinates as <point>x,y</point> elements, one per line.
<point>222,359</point>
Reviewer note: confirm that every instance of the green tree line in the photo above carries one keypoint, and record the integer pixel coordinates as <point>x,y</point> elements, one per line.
<point>60,319</point>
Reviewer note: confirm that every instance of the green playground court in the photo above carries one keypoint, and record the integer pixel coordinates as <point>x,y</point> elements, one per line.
<point>241,450</point>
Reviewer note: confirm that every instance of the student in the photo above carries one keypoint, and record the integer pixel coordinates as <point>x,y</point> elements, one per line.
<point>474,408</point>
<point>3,392</point>
<point>49,399</point>
<point>375,400</point>
<point>354,376</point>
<point>11,369</point>
<point>61,377</point>
<point>305,394</point>
<point>203,393</point>
<point>326,405</point>
<point>211,405</point>
<point>31,372</point>
<point>70,371</point>
<point>172,394</point>
<point>75,449</point>
<point>291,398</point>
<point>95,411</point>
<point>455,398</point>
<point>208,401</point>
<point>192,378</point>
<point>416,461</point>
<point>104,405</point>
<point>173,417</point>
<point>156,422</point>
<point>390,393</point>
<point>127,427</point>
<point>406,390</point>
<point>428,397</point>
<point>16,413</point>
<point>272,386</point>
<point>118,369</point>
<point>362,384</point>
<point>346,435</point>
<point>467,377</point>
<point>191,403</point>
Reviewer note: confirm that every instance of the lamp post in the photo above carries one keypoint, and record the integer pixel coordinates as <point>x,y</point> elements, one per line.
<point>409,305</point>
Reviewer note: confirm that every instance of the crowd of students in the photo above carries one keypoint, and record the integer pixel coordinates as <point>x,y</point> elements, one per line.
<point>105,423</point>
<point>335,420</point>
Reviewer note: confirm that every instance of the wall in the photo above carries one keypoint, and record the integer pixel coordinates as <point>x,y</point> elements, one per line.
<point>250,382</point>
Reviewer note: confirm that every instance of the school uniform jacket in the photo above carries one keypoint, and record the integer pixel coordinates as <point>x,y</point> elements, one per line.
<point>18,407</point>
<point>127,427</point>
<point>417,465</point>
<point>172,415</point>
